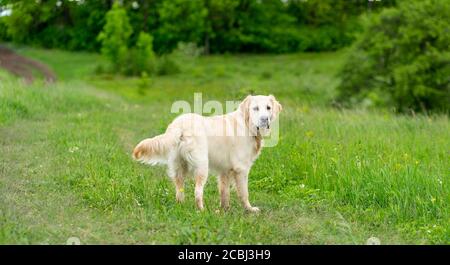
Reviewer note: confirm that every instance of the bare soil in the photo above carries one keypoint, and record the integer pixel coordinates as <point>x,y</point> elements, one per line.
<point>24,67</point>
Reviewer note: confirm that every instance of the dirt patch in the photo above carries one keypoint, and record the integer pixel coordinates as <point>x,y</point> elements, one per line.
<point>24,67</point>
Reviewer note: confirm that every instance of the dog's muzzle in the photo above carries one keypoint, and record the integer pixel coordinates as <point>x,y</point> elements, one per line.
<point>263,123</point>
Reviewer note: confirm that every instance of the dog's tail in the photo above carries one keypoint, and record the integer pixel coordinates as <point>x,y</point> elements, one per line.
<point>154,150</point>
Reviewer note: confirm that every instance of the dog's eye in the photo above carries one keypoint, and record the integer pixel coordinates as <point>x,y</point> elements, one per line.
<point>256,108</point>
<point>268,107</point>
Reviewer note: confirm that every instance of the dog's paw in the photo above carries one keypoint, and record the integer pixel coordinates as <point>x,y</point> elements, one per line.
<point>253,209</point>
<point>180,197</point>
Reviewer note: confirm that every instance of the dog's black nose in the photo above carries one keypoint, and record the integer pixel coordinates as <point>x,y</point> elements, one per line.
<point>264,119</point>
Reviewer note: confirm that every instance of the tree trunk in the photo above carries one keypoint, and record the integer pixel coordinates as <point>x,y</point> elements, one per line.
<point>206,48</point>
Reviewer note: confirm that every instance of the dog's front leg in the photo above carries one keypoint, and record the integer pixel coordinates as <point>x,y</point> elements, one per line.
<point>224,190</point>
<point>242,191</point>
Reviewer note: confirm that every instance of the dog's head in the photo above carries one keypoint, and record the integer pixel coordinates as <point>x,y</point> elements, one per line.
<point>259,112</point>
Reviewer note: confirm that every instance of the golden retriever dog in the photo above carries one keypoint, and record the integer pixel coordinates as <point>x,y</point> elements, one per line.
<point>225,144</point>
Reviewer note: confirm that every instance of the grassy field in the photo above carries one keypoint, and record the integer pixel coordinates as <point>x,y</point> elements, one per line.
<point>336,176</point>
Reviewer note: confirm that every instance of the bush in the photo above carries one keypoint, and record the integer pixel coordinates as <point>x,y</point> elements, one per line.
<point>188,50</point>
<point>141,58</point>
<point>115,35</point>
<point>401,60</point>
<point>144,83</point>
<point>167,66</point>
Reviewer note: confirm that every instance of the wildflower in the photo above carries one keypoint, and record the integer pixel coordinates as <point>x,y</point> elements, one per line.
<point>73,149</point>
<point>305,109</point>
<point>137,202</point>
<point>358,162</point>
<point>309,134</point>
<point>302,186</point>
<point>405,156</point>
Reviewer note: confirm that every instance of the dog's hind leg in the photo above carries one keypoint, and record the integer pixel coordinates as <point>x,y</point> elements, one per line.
<point>179,184</point>
<point>194,151</point>
<point>200,180</point>
<point>177,172</point>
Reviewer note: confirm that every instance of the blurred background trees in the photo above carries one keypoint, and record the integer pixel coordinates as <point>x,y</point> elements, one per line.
<point>115,36</point>
<point>274,26</point>
<point>399,54</point>
<point>402,59</point>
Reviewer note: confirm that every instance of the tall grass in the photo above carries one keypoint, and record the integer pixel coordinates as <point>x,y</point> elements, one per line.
<point>336,176</point>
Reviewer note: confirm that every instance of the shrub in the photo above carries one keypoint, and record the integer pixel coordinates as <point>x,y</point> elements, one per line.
<point>167,66</point>
<point>141,58</point>
<point>188,50</point>
<point>115,35</point>
<point>402,59</point>
<point>144,83</point>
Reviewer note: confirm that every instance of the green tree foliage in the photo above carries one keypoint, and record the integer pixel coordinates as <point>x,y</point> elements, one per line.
<point>3,31</point>
<point>180,20</point>
<point>55,24</point>
<point>402,59</point>
<point>141,59</point>
<point>218,25</point>
<point>115,36</point>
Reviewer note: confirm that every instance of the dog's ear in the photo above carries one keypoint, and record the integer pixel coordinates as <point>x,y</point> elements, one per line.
<point>244,108</point>
<point>277,108</point>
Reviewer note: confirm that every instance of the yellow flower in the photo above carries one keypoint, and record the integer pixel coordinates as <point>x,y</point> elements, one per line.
<point>309,134</point>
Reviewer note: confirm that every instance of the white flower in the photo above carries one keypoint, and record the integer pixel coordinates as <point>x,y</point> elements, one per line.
<point>73,149</point>
<point>302,186</point>
<point>135,5</point>
<point>137,202</point>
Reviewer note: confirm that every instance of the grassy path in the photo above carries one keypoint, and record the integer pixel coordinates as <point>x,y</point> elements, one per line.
<point>24,67</point>
<point>335,177</point>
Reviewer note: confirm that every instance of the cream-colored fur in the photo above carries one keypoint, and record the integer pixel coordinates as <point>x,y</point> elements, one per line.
<point>226,145</point>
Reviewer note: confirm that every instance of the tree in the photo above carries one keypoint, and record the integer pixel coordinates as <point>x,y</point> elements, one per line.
<point>180,20</point>
<point>141,59</point>
<point>402,59</point>
<point>218,25</point>
<point>55,24</point>
<point>115,36</point>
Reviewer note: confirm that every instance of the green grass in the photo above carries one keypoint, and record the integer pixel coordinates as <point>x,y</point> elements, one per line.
<point>336,177</point>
